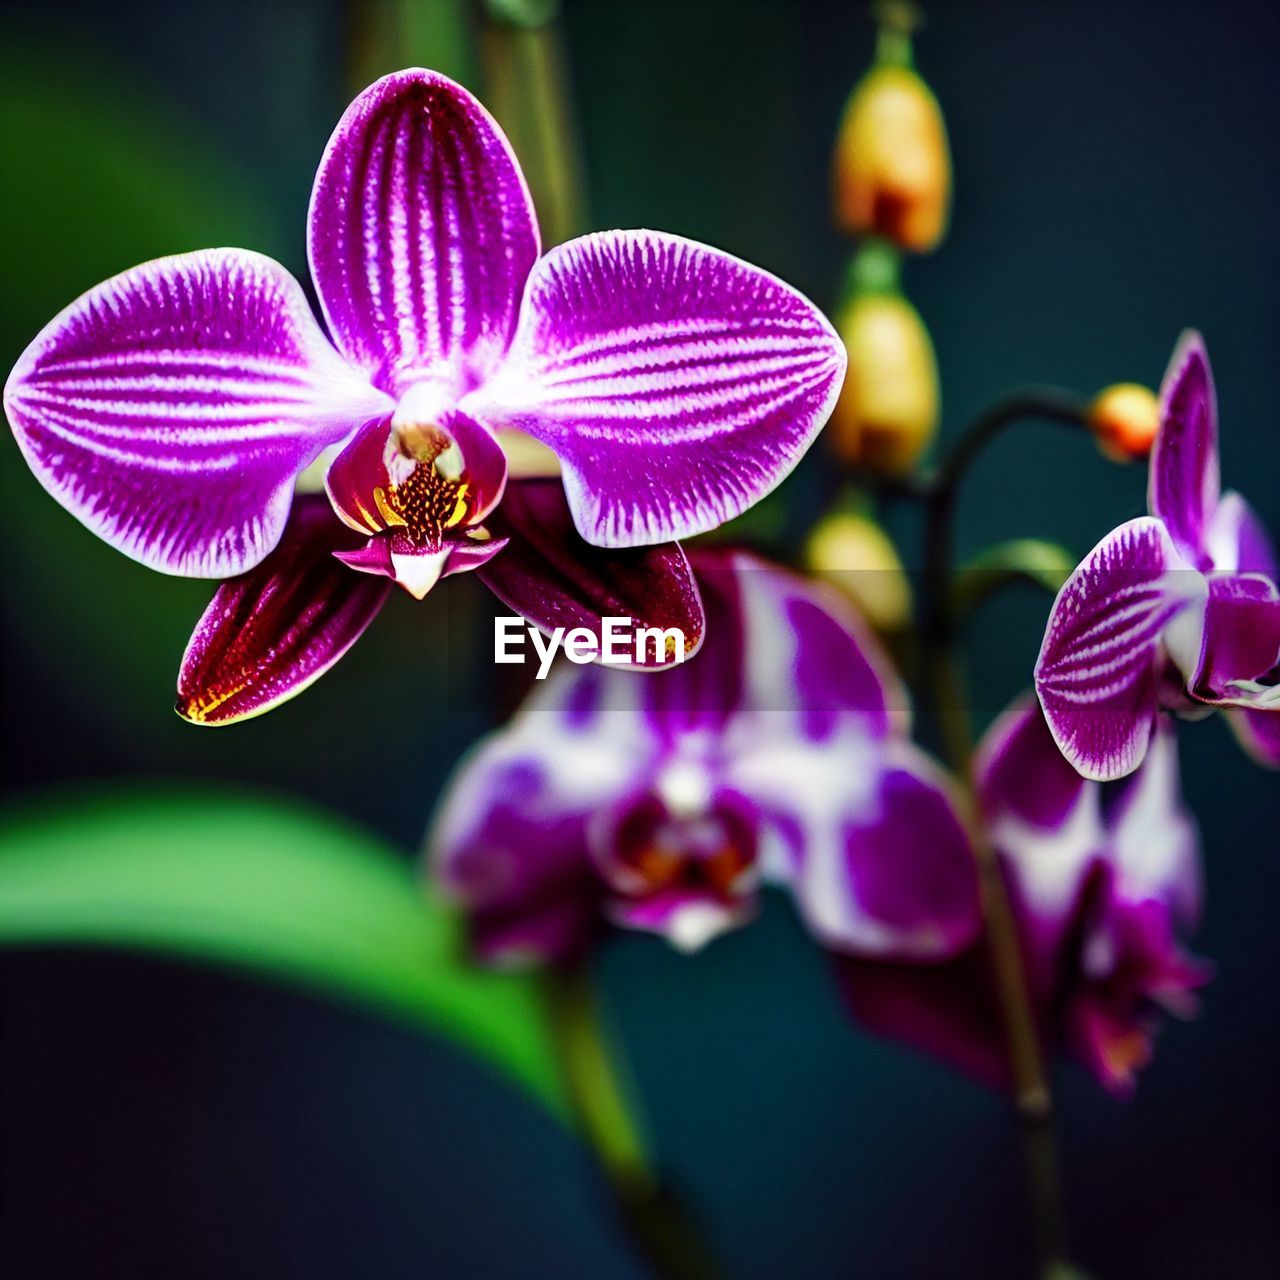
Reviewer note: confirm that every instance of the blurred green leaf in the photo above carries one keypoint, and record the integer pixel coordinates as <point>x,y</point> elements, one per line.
<point>260,884</point>
<point>1043,564</point>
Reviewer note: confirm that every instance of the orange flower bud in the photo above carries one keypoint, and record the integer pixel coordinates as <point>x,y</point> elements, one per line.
<point>887,413</point>
<point>1124,419</point>
<point>891,174</point>
<point>856,556</point>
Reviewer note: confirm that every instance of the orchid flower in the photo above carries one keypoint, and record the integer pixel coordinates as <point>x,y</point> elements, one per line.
<point>1177,610</point>
<point>662,802</point>
<point>178,409</point>
<point>1103,880</point>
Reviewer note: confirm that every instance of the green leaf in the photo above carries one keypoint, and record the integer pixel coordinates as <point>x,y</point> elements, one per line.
<point>1043,564</point>
<point>260,884</point>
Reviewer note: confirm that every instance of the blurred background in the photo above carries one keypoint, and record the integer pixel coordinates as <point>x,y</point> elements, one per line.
<point>1117,179</point>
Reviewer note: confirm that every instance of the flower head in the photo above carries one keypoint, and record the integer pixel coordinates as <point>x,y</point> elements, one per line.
<point>1103,881</point>
<point>1177,609</point>
<point>175,409</point>
<point>661,803</point>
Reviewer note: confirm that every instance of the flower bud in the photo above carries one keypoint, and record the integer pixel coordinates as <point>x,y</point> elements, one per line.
<point>887,413</point>
<point>856,556</point>
<point>1124,419</point>
<point>891,173</point>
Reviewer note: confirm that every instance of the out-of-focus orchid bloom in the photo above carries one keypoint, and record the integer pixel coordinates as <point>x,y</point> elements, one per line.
<point>661,802</point>
<point>1103,880</point>
<point>1176,609</point>
<point>175,408</point>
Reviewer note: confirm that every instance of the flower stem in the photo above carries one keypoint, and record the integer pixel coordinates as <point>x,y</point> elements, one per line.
<point>1032,1098</point>
<point>657,1221</point>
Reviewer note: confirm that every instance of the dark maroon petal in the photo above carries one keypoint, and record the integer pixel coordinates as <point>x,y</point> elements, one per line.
<point>551,576</point>
<point>269,633</point>
<point>946,1010</point>
<point>1184,483</point>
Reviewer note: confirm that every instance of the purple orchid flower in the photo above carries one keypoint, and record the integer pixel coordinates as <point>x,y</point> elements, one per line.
<point>1103,880</point>
<point>1176,610</point>
<point>662,803</point>
<point>177,409</point>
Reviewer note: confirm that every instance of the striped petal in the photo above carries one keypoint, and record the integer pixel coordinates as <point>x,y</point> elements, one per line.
<point>677,385</point>
<point>269,634</point>
<point>421,233</point>
<point>1184,482</point>
<point>1096,673</point>
<point>170,408</point>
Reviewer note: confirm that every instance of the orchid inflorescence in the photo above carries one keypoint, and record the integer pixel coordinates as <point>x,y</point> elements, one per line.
<point>558,423</point>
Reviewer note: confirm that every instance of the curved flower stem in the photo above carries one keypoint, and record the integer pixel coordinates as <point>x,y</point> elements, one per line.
<point>1032,1098</point>
<point>658,1223</point>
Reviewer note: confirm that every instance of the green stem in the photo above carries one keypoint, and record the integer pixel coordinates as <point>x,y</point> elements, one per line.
<point>526,88</point>
<point>657,1222</point>
<point>1032,1098</point>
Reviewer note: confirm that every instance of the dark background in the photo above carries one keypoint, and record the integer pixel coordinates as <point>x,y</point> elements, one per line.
<point>1116,174</point>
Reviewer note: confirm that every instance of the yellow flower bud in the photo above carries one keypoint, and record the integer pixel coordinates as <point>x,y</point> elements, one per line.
<point>1124,420</point>
<point>891,174</point>
<point>856,556</point>
<point>887,413</point>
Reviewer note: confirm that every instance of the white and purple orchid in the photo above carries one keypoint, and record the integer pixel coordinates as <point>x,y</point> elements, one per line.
<point>662,802</point>
<point>1176,610</point>
<point>1103,879</point>
<point>183,411</point>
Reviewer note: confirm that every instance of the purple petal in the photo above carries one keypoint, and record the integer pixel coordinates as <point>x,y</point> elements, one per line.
<point>1021,772</point>
<point>170,408</point>
<point>898,881</point>
<point>1258,732</point>
<point>1240,642</point>
<point>687,918</point>
<point>677,384</point>
<point>269,634</point>
<point>1154,845</point>
<point>796,646</point>
<point>1237,541</point>
<point>510,841</point>
<point>1184,482</point>
<point>1129,965</point>
<point>421,233</point>
<point>550,575</point>
<point>1045,822</point>
<point>524,878</point>
<point>1095,675</point>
